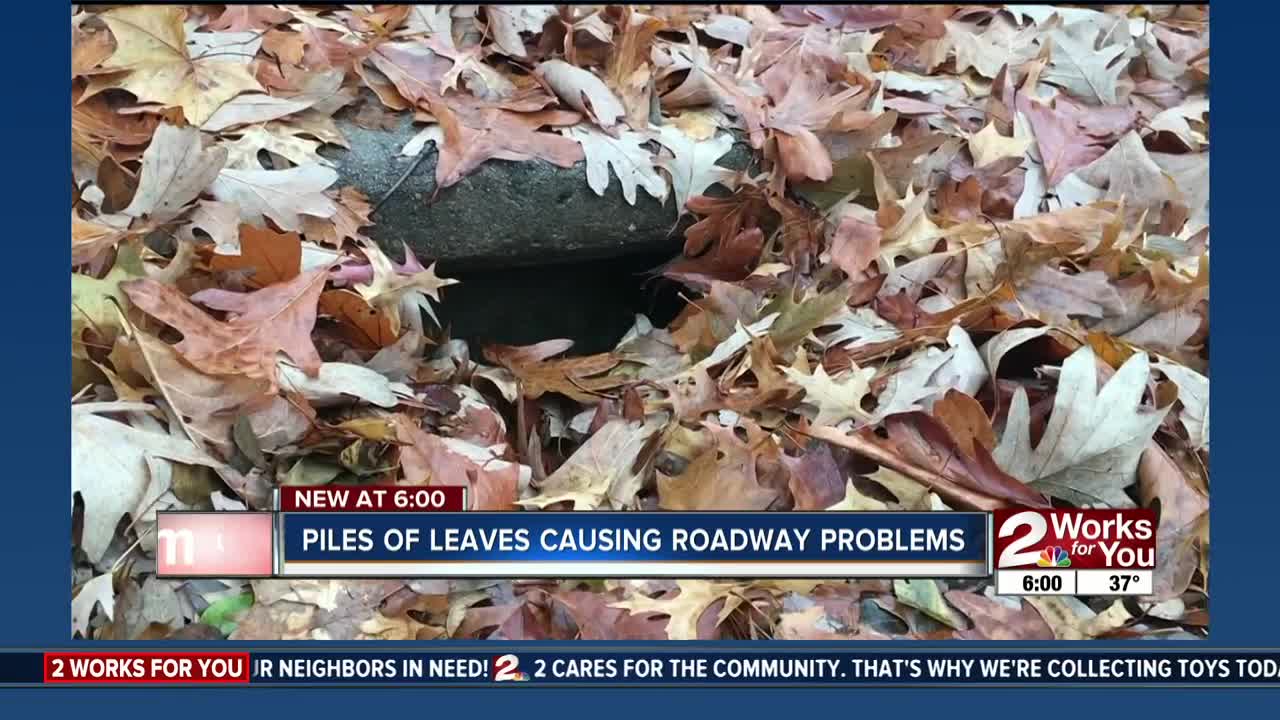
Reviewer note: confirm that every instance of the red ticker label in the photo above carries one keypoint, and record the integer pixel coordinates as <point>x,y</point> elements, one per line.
<point>146,667</point>
<point>373,498</point>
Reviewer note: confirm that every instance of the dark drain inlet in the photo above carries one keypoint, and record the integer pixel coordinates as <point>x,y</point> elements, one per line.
<point>592,303</point>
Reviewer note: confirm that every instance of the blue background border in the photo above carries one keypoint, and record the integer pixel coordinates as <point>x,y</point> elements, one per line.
<point>34,522</point>
<point>648,703</point>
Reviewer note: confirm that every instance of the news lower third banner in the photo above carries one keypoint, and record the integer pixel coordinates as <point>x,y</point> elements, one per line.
<point>573,544</point>
<point>775,666</point>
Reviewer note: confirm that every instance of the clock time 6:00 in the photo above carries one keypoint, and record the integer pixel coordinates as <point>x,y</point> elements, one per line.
<point>1042,583</point>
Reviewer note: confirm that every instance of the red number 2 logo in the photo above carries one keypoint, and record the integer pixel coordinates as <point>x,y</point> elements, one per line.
<point>505,667</point>
<point>1013,554</point>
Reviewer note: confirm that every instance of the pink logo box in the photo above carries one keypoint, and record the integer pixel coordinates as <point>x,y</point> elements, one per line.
<point>214,544</point>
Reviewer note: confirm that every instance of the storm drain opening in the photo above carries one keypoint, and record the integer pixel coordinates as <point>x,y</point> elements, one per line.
<point>594,303</point>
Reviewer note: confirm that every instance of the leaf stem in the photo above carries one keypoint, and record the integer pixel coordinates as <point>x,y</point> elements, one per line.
<point>422,154</point>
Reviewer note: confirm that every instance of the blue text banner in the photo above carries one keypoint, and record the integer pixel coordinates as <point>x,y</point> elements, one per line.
<point>635,544</point>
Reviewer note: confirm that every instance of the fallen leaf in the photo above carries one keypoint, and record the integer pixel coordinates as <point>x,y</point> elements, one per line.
<point>1182,511</point>
<point>1193,393</point>
<point>152,61</point>
<point>1114,617</point>
<point>920,378</point>
<point>989,146</point>
<point>606,471</point>
<point>242,153</point>
<point>719,479</point>
<point>1190,173</point>
<point>583,91</point>
<point>815,480</point>
<point>90,238</point>
<point>861,326</point>
<point>965,420</point>
<point>389,290</point>
<point>995,349</point>
<point>415,70</point>
<point>913,233</point>
<point>175,170</point>
<point>481,80</point>
<point>95,592</point>
<point>725,218</point>
<point>109,467</point>
<point>1084,71</point>
<point>692,164</point>
<point>1089,450</point>
<point>353,210</point>
<point>207,406</point>
<point>224,614</point>
<point>363,325</point>
<point>685,609</point>
<point>835,400</point>
<point>97,304</point>
<point>1055,297</point>
<point>797,319</point>
<point>578,378</point>
<point>1071,619</point>
<point>219,221</point>
<point>994,620</point>
<point>1128,172</point>
<point>998,45</point>
<point>95,118</point>
<point>910,494</point>
<point>252,108</point>
<point>427,459</point>
<point>339,383</point>
<point>920,448</point>
<point>503,135</point>
<point>274,319</point>
<point>88,49</point>
<point>855,501</point>
<point>508,22</point>
<point>305,609</point>
<point>1063,615</point>
<point>282,195</point>
<point>1064,145</point>
<point>632,164</point>
<point>265,257</point>
<point>596,618</point>
<point>814,623</point>
<point>923,595</point>
<point>241,18</point>
<point>855,242</point>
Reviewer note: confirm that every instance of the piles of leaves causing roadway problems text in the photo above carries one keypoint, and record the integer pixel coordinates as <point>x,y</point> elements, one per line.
<point>969,270</point>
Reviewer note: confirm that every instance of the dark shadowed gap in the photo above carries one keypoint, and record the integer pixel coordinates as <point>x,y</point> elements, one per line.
<point>593,303</point>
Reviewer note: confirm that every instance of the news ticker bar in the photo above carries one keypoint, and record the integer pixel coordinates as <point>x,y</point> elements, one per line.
<point>629,667</point>
<point>375,531</point>
<point>367,532</point>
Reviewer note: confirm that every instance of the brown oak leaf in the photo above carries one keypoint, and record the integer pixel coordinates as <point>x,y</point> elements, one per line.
<point>432,460</point>
<point>276,318</point>
<point>495,133</point>
<point>574,377</point>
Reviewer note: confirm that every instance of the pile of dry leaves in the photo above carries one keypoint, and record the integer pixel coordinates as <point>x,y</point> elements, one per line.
<point>971,272</point>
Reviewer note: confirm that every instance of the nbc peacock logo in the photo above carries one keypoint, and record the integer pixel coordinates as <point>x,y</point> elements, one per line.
<point>1054,557</point>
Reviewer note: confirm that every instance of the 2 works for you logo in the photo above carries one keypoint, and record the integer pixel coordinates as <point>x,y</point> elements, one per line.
<point>1054,557</point>
<point>506,668</point>
<point>1120,539</point>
